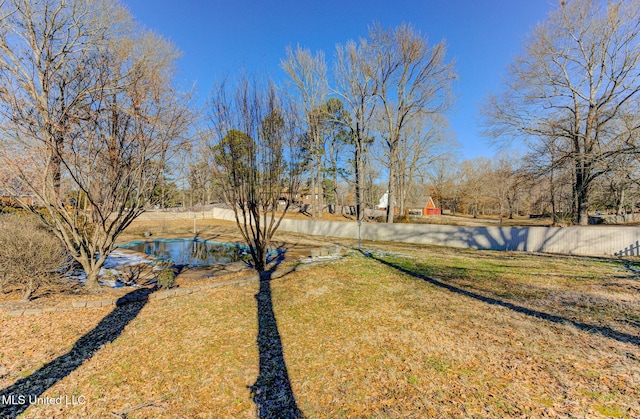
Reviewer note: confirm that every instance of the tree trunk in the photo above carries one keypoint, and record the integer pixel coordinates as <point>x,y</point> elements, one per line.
<point>583,210</point>
<point>320,191</point>
<point>314,203</point>
<point>554,215</point>
<point>401,191</point>
<point>391,194</point>
<point>92,273</point>
<point>335,186</point>
<point>56,164</point>
<point>358,170</point>
<point>260,258</point>
<point>163,204</point>
<point>581,191</point>
<point>29,289</point>
<point>621,202</point>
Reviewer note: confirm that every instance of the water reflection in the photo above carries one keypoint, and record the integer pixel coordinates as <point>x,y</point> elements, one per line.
<point>190,252</point>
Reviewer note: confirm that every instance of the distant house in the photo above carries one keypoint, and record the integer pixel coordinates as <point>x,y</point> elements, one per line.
<point>16,193</point>
<point>384,201</point>
<point>428,208</point>
<point>308,197</point>
<point>15,201</point>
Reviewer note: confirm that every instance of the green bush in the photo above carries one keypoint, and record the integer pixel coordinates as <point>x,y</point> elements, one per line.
<point>30,255</point>
<point>167,278</point>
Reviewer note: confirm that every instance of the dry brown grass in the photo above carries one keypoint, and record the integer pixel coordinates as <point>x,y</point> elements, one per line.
<point>168,228</point>
<point>361,338</point>
<point>485,220</point>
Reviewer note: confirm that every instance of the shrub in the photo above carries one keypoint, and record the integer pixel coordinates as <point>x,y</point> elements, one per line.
<point>30,255</point>
<point>10,210</point>
<point>396,219</point>
<point>401,219</point>
<point>166,278</point>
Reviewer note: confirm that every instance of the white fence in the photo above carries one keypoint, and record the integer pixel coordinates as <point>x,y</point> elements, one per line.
<point>579,240</point>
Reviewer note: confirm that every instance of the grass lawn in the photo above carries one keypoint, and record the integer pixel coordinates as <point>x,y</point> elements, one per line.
<point>420,332</point>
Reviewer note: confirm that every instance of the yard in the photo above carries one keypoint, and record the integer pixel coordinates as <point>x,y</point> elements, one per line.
<point>411,331</point>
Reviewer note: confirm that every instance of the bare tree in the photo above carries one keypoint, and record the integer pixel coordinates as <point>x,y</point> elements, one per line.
<point>199,179</point>
<point>258,159</point>
<point>201,164</point>
<point>577,79</point>
<point>477,187</point>
<point>440,176</point>
<point>356,88</point>
<point>421,141</point>
<point>618,187</point>
<point>86,101</point>
<point>506,179</point>
<point>413,80</point>
<point>308,73</point>
<point>549,164</point>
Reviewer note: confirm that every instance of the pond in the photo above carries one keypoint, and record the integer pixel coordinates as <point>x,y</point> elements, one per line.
<point>189,252</point>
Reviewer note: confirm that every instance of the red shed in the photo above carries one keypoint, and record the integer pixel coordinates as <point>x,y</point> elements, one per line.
<point>430,208</point>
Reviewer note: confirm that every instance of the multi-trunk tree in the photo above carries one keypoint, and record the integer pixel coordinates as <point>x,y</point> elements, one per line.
<point>422,140</point>
<point>88,118</point>
<point>258,159</point>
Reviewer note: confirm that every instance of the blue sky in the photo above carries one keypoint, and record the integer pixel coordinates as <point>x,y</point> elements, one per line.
<point>220,37</point>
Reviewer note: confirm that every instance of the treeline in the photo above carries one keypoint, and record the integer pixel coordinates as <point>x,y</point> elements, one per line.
<point>505,186</point>
<point>379,115</point>
<point>569,105</point>
<point>514,185</point>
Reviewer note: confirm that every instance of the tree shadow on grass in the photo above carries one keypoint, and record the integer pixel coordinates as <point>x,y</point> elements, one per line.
<point>17,398</point>
<point>586,327</point>
<point>272,391</point>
